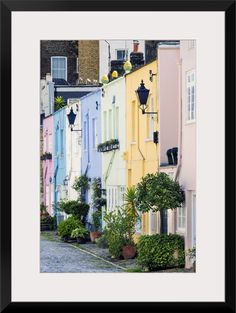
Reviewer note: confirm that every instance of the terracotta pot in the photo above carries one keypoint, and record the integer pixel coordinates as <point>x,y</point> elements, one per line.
<point>128,252</point>
<point>94,235</point>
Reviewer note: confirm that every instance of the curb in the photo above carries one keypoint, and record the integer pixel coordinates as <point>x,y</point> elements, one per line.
<point>98,257</point>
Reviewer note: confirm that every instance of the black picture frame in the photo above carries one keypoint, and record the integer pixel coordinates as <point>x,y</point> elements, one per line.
<point>7,7</point>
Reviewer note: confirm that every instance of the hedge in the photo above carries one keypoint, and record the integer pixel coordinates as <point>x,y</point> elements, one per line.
<point>161,251</point>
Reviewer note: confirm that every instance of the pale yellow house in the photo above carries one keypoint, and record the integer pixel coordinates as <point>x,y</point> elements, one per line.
<point>141,152</point>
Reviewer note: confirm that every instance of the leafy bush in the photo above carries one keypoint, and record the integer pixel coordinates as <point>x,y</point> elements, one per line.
<point>75,208</point>
<point>97,216</point>
<point>102,242</point>
<point>66,227</point>
<point>161,251</point>
<point>80,231</point>
<point>59,103</point>
<point>81,184</point>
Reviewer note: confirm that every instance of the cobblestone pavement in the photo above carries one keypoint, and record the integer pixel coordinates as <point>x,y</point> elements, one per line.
<point>59,257</point>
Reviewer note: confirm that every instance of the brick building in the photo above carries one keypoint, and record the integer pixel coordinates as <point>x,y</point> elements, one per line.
<point>59,57</point>
<point>88,60</point>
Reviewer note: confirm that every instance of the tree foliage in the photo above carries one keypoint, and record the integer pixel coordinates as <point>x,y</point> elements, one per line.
<point>158,192</point>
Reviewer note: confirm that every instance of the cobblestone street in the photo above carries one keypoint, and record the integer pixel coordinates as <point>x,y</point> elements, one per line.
<point>59,257</point>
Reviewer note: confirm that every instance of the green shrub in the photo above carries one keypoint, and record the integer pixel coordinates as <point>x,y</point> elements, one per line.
<point>102,242</point>
<point>97,216</point>
<point>66,227</point>
<point>47,221</point>
<point>75,208</point>
<point>80,231</point>
<point>161,251</point>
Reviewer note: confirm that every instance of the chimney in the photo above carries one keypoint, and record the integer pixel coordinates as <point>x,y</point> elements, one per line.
<point>48,77</point>
<point>135,45</point>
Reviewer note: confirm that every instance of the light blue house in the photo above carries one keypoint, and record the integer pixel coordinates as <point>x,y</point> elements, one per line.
<point>59,124</point>
<point>91,162</point>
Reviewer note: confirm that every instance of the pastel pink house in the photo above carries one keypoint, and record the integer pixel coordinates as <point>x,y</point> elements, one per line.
<point>177,129</point>
<point>48,163</point>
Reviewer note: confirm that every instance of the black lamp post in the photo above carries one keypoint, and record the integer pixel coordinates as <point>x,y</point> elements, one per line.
<point>143,94</point>
<point>71,118</point>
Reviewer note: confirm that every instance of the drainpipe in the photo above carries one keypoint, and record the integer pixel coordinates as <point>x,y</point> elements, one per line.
<point>109,56</point>
<point>138,144</point>
<point>180,122</point>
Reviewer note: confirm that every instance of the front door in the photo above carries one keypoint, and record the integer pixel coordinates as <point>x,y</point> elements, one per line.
<point>164,221</point>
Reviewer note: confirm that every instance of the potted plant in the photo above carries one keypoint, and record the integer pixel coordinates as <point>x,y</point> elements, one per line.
<point>191,253</point>
<point>95,233</point>
<point>80,233</point>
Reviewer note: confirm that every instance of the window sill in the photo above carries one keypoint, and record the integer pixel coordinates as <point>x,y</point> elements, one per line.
<point>180,231</point>
<point>133,142</point>
<point>148,140</point>
<point>189,122</point>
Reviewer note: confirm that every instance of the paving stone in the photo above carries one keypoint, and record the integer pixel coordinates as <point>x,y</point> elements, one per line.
<point>59,257</point>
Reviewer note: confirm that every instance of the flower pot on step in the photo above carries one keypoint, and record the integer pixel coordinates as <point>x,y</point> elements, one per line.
<point>94,235</point>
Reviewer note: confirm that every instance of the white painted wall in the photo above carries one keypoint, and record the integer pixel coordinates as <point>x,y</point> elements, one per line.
<point>114,45</point>
<point>73,149</point>
<point>114,179</point>
<point>46,96</point>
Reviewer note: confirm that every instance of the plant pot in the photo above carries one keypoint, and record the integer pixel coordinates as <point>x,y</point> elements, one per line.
<point>94,235</point>
<point>81,240</point>
<point>128,252</point>
<point>65,238</point>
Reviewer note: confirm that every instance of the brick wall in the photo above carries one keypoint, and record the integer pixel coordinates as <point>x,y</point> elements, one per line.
<point>68,48</point>
<point>89,59</point>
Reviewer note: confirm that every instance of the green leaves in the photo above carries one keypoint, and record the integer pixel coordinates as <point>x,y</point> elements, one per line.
<point>59,103</point>
<point>161,251</point>
<point>158,192</point>
<point>66,227</point>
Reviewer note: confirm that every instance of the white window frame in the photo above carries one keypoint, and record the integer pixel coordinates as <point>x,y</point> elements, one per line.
<point>85,142</point>
<point>125,54</point>
<point>95,135</point>
<point>181,228</point>
<point>59,57</point>
<point>194,221</point>
<point>191,44</point>
<point>190,105</point>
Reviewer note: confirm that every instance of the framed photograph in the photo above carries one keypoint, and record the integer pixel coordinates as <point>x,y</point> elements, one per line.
<point>118,156</point>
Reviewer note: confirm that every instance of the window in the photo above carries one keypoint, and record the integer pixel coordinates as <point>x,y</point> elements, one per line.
<point>116,123</point>
<point>85,135</point>
<point>121,54</point>
<point>57,140</point>
<point>105,126</point>
<point>181,217</point>
<point>194,220</point>
<point>150,121</point>
<point>191,96</point>
<point>110,124</point>
<point>94,129</point>
<point>61,141</point>
<point>134,119</point>
<point>59,67</point>
<point>191,44</point>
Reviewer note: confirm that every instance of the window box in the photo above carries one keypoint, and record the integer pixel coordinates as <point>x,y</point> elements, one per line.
<point>46,156</point>
<point>109,145</point>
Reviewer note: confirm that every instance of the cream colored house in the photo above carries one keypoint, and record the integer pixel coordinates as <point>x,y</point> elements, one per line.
<point>113,128</point>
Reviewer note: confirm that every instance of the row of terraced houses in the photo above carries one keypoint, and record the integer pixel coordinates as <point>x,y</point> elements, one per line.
<point>113,140</point>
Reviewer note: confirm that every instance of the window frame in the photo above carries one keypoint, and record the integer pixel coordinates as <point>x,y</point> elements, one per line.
<point>188,106</point>
<point>59,57</point>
